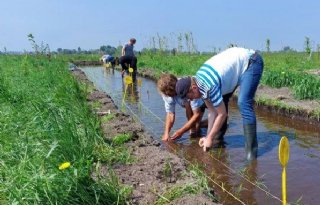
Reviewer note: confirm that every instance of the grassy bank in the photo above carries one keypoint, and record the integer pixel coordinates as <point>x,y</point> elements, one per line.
<point>44,122</point>
<point>281,70</point>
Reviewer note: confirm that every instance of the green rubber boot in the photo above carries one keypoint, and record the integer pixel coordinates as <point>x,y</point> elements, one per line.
<point>251,144</point>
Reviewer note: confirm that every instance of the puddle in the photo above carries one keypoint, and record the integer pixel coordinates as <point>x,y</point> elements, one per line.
<point>227,171</point>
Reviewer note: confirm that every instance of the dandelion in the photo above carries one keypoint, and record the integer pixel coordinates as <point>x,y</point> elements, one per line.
<point>64,165</point>
<point>130,70</point>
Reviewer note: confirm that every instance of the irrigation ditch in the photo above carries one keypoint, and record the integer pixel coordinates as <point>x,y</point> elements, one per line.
<point>231,179</point>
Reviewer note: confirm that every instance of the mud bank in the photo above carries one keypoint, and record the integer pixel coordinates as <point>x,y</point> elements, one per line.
<point>147,175</point>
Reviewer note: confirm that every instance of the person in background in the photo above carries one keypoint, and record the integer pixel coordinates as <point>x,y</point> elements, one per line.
<point>110,59</point>
<point>194,109</point>
<point>128,59</point>
<point>215,82</point>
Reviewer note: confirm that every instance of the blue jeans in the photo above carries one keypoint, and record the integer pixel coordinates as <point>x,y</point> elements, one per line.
<point>248,86</point>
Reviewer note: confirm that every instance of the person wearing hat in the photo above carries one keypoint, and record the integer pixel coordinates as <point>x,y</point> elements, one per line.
<point>194,109</point>
<point>215,82</point>
<point>128,58</point>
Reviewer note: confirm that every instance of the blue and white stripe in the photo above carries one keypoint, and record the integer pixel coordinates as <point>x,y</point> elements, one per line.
<point>209,83</point>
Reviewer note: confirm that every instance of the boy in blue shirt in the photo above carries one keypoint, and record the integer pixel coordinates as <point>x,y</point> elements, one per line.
<point>194,110</point>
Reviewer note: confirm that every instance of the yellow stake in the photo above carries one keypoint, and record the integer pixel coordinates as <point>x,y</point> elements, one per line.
<point>284,158</point>
<point>127,81</point>
<point>139,84</point>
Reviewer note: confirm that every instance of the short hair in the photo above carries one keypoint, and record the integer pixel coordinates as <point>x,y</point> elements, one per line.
<point>133,40</point>
<point>167,84</point>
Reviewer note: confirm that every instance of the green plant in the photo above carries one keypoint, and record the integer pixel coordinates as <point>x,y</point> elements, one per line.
<point>121,139</point>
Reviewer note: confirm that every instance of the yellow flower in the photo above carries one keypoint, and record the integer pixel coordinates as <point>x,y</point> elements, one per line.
<point>130,70</point>
<point>64,165</point>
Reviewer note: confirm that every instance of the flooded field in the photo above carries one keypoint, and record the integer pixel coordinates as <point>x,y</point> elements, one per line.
<point>235,181</point>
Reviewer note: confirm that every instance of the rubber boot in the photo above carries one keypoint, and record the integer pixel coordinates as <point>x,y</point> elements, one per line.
<point>251,144</point>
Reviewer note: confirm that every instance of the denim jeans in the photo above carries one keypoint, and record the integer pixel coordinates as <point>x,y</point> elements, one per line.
<point>248,85</point>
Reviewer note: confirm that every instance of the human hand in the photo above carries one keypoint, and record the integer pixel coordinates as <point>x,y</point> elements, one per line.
<point>165,137</point>
<point>177,135</point>
<point>206,143</point>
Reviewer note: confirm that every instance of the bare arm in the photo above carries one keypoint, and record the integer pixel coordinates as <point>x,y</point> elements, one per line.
<point>193,116</point>
<point>170,118</point>
<point>216,117</point>
<point>122,51</point>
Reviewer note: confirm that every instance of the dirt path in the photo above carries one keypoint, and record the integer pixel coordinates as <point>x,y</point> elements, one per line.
<point>148,175</point>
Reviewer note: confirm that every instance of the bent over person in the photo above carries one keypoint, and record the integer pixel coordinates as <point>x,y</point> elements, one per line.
<point>194,109</point>
<point>215,82</point>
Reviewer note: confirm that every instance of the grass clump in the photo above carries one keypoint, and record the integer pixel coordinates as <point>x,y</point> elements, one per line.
<point>121,139</point>
<point>45,121</point>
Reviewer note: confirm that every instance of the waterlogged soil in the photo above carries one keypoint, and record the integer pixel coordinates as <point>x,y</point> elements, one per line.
<point>147,174</point>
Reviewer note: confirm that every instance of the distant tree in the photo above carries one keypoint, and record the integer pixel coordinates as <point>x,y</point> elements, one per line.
<point>59,50</point>
<point>287,49</point>
<point>108,49</point>
<point>268,45</point>
<point>33,43</point>
<point>307,45</point>
<point>232,45</point>
<point>38,49</point>
<point>79,50</point>
<point>180,46</point>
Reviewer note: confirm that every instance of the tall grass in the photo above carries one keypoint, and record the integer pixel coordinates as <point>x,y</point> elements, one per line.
<point>281,69</point>
<point>45,121</point>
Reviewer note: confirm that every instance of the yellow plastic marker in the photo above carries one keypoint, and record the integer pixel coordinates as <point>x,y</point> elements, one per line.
<point>107,65</point>
<point>128,80</point>
<point>284,158</point>
<point>139,82</point>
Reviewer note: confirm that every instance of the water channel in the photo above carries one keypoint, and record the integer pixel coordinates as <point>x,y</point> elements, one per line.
<point>227,171</point>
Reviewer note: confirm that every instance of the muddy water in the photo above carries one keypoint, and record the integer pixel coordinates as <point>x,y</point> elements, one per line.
<point>235,181</point>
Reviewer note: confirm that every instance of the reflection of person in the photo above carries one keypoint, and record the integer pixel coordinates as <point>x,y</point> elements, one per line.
<point>194,109</point>
<point>218,76</point>
<point>110,59</point>
<point>128,59</point>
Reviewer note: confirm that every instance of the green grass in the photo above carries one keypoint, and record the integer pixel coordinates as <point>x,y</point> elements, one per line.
<point>281,70</point>
<point>45,121</point>
<point>200,185</point>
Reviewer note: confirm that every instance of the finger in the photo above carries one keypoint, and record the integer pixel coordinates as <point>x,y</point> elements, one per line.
<point>204,148</point>
<point>201,142</point>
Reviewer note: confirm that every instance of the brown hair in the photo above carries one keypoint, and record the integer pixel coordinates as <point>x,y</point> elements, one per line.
<point>167,84</point>
<point>133,40</point>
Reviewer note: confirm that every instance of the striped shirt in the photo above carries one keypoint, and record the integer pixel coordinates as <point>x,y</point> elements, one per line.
<point>221,74</point>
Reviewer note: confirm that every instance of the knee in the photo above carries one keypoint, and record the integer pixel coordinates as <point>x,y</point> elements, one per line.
<point>244,105</point>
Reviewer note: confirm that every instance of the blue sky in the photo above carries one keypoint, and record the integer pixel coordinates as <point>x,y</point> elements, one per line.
<point>213,23</point>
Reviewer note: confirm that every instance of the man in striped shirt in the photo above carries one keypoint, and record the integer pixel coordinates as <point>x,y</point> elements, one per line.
<point>215,82</point>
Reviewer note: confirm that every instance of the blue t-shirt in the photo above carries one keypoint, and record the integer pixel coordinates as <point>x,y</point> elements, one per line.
<point>128,50</point>
<point>170,103</point>
<point>107,58</point>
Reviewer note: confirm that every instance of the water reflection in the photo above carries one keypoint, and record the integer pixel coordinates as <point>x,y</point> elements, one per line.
<point>257,183</point>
